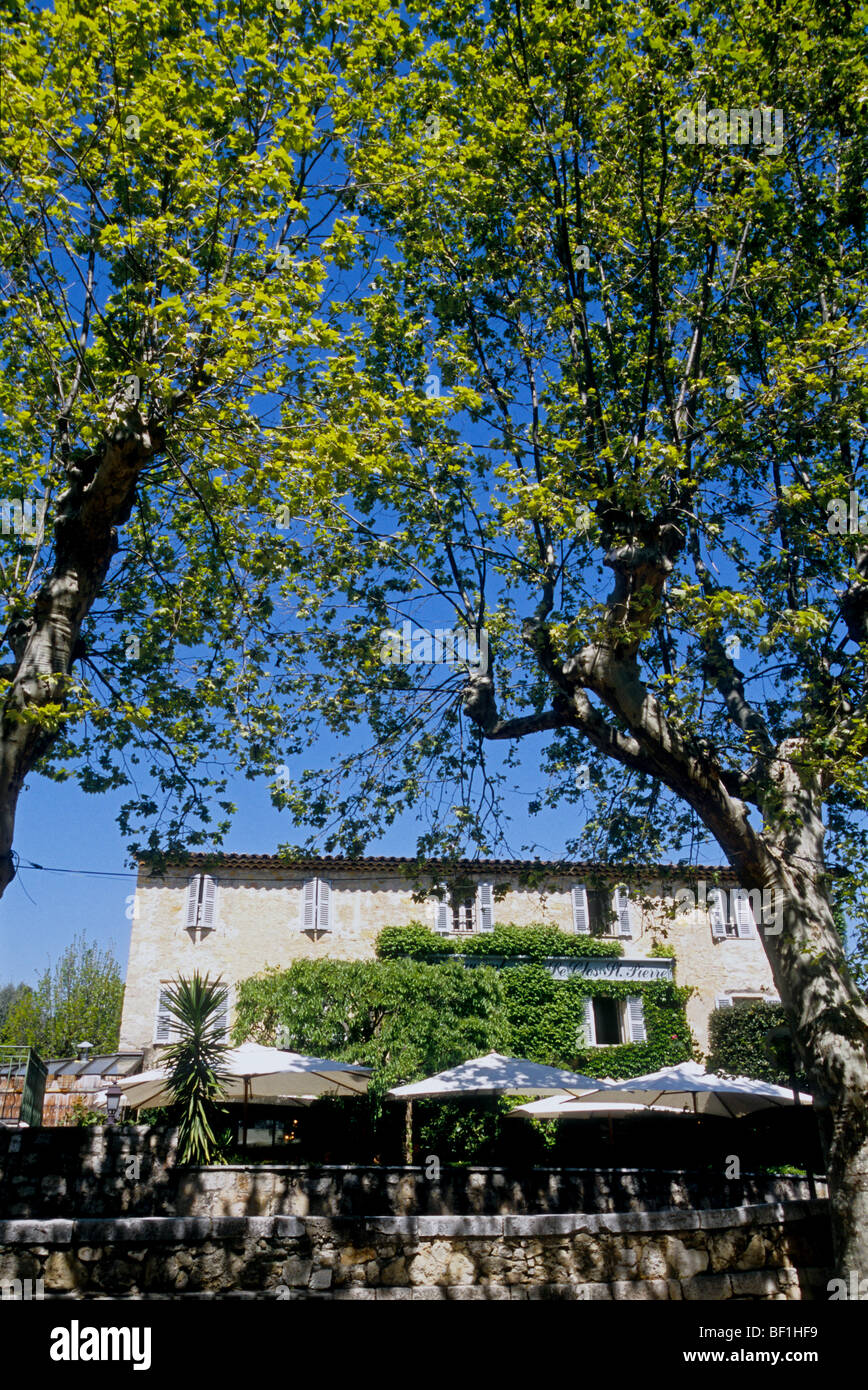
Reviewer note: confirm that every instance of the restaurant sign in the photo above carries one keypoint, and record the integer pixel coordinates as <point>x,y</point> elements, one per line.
<point>588,967</point>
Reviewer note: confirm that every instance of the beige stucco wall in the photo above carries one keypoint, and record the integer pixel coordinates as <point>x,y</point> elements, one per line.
<point>258,923</point>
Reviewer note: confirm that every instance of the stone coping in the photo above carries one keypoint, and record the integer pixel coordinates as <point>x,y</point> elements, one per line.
<point>97,1231</point>
<point>411,1170</point>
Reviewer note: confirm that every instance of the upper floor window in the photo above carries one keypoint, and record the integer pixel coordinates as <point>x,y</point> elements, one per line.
<point>606,912</point>
<point>465,910</point>
<point>201,908</point>
<point>731,913</point>
<point>316,907</point>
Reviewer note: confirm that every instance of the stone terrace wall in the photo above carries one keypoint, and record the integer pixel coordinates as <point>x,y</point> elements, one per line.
<point>129,1171</point>
<point>774,1251</point>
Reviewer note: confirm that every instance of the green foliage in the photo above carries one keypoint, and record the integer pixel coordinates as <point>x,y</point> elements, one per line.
<point>196,1061</point>
<point>662,948</point>
<point>82,1115</point>
<point>79,1000</point>
<point>408,1019</point>
<point>9,996</point>
<point>538,941</point>
<point>737,1044</point>
<point>173,216</point>
<point>415,941</point>
<point>403,1018</point>
<point>547,1023</point>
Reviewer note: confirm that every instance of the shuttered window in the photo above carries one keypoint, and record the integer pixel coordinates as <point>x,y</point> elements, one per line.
<point>165,1030</point>
<point>316,906</point>
<point>581,909</point>
<point>723,1001</point>
<point>744,919</point>
<point>443,914</point>
<point>609,1022</point>
<point>717,908</point>
<point>485,907</point>
<point>201,908</point>
<point>222,1019</point>
<point>636,1019</point>
<point>731,914</point>
<point>624,911</point>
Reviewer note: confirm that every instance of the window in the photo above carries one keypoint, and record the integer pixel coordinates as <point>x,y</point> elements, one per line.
<point>612,1021</point>
<point>603,912</point>
<point>316,908</point>
<point>166,1028</point>
<point>201,908</point>
<point>463,911</point>
<point>743,1001</point>
<point>732,913</point>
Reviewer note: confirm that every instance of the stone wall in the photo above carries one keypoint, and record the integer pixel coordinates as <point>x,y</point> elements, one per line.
<point>130,1170</point>
<point>773,1251</point>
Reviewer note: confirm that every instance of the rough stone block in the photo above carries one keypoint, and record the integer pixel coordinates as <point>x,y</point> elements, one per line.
<point>296,1272</point>
<point>636,1290</point>
<point>754,1283</point>
<point>706,1287</point>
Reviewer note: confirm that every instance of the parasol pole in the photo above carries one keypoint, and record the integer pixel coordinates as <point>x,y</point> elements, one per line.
<point>246,1090</point>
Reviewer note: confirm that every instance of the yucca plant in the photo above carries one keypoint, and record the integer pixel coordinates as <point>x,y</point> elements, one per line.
<point>196,1061</point>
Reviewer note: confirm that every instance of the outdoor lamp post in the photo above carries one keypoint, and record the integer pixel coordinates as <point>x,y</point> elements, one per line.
<point>113,1096</point>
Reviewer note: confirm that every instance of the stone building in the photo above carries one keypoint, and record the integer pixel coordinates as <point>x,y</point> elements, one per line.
<point>233,915</point>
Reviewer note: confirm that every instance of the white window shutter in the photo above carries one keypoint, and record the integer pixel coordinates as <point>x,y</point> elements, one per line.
<point>163,1030</point>
<point>308,907</point>
<point>623,911</point>
<point>442,915</point>
<point>717,911</point>
<point>723,1001</point>
<point>221,1021</point>
<point>636,1018</point>
<point>208,910</point>
<point>485,899</point>
<point>191,915</point>
<point>581,914</point>
<point>590,1030</point>
<point>324,906</point>
<point>744,921</point>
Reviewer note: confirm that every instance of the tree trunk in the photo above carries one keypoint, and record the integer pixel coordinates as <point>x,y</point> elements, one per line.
<point>829,1016</point>
<point>45,640</point>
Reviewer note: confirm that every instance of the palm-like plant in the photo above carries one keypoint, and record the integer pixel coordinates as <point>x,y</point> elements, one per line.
<point>196,1060</point>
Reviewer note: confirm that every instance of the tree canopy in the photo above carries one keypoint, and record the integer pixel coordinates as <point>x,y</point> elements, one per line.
<point>572,304</point>
<point>79,999</point>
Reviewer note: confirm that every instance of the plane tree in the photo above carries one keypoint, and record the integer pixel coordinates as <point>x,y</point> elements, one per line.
<point>609,391</point>
<point>174,234</point>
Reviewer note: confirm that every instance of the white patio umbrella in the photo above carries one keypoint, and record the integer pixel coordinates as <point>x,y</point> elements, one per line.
<point>496,1075</point>
<point>253,1072</point>
<point>568,1108</point>
<point>688,1087</point>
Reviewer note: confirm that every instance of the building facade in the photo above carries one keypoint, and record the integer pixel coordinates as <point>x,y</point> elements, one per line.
<point>236,914</point>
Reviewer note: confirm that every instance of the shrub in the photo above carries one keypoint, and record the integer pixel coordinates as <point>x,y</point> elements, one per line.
<point>737,1042</point>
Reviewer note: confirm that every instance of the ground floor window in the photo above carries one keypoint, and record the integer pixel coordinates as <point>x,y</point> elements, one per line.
<point>609,1021</point>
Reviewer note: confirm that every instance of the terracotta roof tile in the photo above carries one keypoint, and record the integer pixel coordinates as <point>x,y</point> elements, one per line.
<point>333,862</point>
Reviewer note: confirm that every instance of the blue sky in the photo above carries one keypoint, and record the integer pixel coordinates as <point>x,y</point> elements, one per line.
<point>61,827</point>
